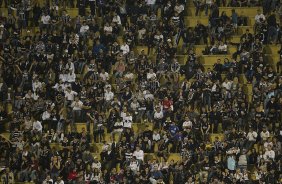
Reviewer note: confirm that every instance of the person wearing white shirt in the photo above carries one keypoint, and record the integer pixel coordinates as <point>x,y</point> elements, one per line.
<point>158,37</point>
<point>127,120</point>
<point>96,164</point>
<point>158,116</point>
<point>222,48</point>
<point>125,48</point>
<point>227,84</point>
<point>109,95</point>
<point>30,95</point>
<point>134,165</point>
<point>252,135</point>
<point>37,126</point>
<point>70,77</point>
<point>59,180</point>
<point>187,124</point>
<point>84,29</point>
<point>129,76</point>
<point>156,136</point>
<point>45,19</point>
<point>269,154</point>
<point>151,74</point>
<point>117,129</point>
<point>268,143</point>
<point>108,29</point>
<point>69,65</point>
<point>69,94</point>
<point>36,85</point>
<point>151,4</point>
<point>251,138</point>
<point>48,180</point>
<point>116,19</point>
<point>104,75</point>
<point>46,115</point>
<point>123,112</point>
<point>264,134</point>
<point>60,86</point>
<point>259,16</point>
<point>77,106</point>
<point>139,154</point>
<point>179,8</point>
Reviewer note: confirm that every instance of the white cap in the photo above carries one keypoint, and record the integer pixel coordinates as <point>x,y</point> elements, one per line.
<point>1,25</point>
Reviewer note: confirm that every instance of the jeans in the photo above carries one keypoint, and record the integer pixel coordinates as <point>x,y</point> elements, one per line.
<point>272,34</point>
<point>207,100</point>
<point>118,74</point>
<point>149,115</point>
<point>60,126</point>
<point>249,75</point>
<point>249,144</point>
<point>76,115</point>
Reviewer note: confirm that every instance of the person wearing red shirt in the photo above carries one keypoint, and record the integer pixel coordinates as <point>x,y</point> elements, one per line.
<point>72,175</point>
<point>167,104</point>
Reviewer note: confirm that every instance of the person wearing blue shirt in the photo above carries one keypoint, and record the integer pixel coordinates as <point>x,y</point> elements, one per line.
<point>97,47</point>
<point>231,163</point>
<point>173,129</point>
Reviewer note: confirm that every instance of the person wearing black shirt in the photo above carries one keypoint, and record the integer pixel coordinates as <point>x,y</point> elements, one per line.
<point>207,94</point>
<point>201,33</point>
<point>272,28</point>
<point>205,127</point>
<point>214,117</point>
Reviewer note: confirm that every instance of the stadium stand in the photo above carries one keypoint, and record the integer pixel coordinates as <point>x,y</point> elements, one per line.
<point>140,91</point>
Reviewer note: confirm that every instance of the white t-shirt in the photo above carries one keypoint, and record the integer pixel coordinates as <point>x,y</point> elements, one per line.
<point>227,85</point>
<point>259,16</point>
<point>125,49</point>
<point>116,19</point>
<point>84,29</point>
<point>59,182</point>
<point>264,135</point>
<point>77,105</point>
<point>134,166</point>
<point>37,126</point>
<point>158,115</point>
<point>139,154</point>
<point>156,137</point>
<point>222,47</point>
<point>269,155</point>
<point>127,121</point>
<point>70,95</point>
<point>45,19</point>
<point>179,8</point>
<point>151,75</point>
<point>187,124</point>
<point>266,144</point>
<point>46,115</point>
<point>104,76</point>
<point>252,136</point>
<point>96,165</point>
<point>36,85</point>
<point>108,29</point>
<point>109,95</point>
<point>150,2</point>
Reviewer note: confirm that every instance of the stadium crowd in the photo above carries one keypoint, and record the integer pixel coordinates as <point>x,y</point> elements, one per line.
<point>74,70</point>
